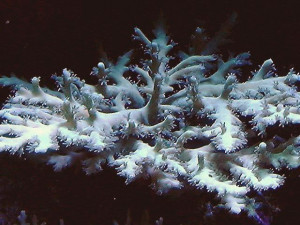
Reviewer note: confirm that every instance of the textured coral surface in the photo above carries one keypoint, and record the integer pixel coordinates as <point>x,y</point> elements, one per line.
<point>184,120</point>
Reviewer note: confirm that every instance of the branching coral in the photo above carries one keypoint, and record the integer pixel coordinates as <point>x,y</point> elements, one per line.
<point>144,126</point>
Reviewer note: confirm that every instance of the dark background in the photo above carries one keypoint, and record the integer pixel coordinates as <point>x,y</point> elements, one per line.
<point>40,38</point>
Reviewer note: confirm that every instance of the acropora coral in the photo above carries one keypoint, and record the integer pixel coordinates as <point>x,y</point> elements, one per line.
<point>180,120</point>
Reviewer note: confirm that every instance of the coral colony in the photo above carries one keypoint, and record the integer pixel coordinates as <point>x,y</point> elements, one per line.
<point>180,121</point>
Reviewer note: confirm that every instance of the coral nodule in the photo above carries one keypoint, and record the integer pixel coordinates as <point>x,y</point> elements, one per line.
<point>193,123</point>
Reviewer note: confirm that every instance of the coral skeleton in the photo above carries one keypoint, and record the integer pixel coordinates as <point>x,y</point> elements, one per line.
<point>179,121</point>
